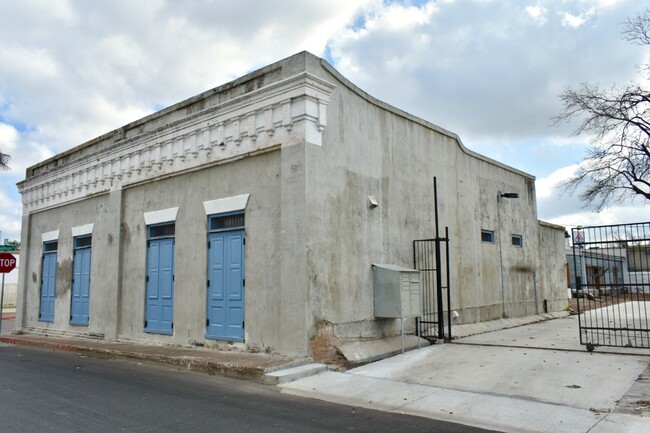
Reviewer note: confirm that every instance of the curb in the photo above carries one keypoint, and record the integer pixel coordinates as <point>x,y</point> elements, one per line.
<point>192,364</point>
<point>9,317</point>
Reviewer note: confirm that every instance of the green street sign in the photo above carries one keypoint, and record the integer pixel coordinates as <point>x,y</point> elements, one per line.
<point>7,248</point>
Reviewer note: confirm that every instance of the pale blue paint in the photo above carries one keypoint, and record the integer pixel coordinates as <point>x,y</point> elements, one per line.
<point>225,303</point>
<point>48,287</point>
<point>79,309</point>
<point>160,286</point>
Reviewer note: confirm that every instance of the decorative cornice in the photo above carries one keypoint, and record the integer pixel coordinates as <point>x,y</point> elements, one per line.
<point>249,123</point>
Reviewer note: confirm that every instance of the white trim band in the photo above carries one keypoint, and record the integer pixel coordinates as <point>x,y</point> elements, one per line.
<point>50,236</point>
<point>83,230</point>
<point>161,216</point>
<point>227,204</point>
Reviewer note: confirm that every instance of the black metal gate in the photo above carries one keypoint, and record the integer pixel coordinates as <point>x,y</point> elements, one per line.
<point>611,265</point>
<point>431,257</point>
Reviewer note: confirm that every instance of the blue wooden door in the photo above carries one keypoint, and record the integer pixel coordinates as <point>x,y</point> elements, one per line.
<point>79,308</point>
<point>226,286</point>
<point>160,287</point>
<point>48,287</point>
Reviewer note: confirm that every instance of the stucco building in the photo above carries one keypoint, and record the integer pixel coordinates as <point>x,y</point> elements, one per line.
<point>250,215</point>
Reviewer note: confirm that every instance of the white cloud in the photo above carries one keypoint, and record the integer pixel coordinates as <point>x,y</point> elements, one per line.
<point>491,71</point>
<point>22,153</point>
<point>486,68</point>
<point>573,21</point>
<point>547,187</point>
<point>537,13</point>
<point>8,138</point>
<point>72,79</point>
<point>10,217</point>
<point>400,17</point>
<point>558,207</point>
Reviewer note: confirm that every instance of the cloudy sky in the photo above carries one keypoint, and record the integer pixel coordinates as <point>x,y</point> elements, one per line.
<point>491,71</point>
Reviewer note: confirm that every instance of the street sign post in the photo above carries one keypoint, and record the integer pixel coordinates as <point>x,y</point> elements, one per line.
<point>7,264</point>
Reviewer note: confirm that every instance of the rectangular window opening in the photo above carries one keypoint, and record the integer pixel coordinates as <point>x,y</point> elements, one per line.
<point>227,222</point>
<point>162,231</point>
<point>517,241</point>
<point>49,247</point>
<point>487,236</point>
<point>83,241</point>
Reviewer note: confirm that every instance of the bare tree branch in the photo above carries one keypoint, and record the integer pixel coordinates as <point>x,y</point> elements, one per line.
<point>616,166</point>
<point>4,161</point>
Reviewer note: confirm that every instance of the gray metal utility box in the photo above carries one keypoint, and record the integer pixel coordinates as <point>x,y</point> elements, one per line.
<point>397,291</point>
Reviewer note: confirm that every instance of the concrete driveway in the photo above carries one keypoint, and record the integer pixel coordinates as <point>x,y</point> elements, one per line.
<point>535,378</point>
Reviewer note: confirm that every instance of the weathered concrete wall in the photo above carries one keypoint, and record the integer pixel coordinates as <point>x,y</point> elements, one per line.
<point>259,177</point>
<point>97,210</point>
<point>246,136</point>
<point>552,278</point>
<point>373,149</point>
<point>309,150</point>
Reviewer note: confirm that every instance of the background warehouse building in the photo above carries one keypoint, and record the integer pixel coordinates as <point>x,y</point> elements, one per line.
<point>251,214</point>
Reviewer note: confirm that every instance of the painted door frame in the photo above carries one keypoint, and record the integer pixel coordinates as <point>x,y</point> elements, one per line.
<point>159,290</point>
<point>225,300</point>
<point>48,282</point>
<point>80,296</point>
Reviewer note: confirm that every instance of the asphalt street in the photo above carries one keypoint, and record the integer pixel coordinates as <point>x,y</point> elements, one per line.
<point>48,391</point>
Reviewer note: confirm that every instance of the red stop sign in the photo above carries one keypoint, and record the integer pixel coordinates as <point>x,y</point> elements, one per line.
<point>7,263</point>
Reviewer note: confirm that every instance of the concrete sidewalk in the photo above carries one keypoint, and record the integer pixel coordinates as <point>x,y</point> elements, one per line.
<point>534,378</point>
<point>242,365</point>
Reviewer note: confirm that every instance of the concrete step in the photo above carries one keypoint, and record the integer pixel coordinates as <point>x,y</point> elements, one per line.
<point>293,373</point>
<point>27,330</point>
<point>365,351</point>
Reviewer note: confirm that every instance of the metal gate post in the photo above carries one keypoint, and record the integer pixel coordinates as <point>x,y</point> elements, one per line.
<point>441,324</point>
<point>578,292</point>
<point>447,285</point>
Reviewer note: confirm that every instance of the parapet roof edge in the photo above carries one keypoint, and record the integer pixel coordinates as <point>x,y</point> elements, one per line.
<point>381,104</point>
<point>551,225</point>
<point>174,107</point>
<point>260,72</point>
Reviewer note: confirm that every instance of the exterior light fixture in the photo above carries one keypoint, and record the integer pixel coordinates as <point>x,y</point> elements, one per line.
<point>509,195</point>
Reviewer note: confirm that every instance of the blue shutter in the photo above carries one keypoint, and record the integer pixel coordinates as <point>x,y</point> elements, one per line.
<point>79,310</point>
<point>225,303</point>
<point>160,286</point>
<point>48,287</point>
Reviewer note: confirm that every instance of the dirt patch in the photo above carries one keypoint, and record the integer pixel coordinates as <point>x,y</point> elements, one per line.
<point>586,304</point>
